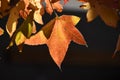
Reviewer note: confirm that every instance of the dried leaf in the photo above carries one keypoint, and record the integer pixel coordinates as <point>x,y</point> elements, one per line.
<point>35,5</point>
<point>57,6</point>
<point>13,17</point>
<point>105,9</point>
<point>38,12</point>
<point>1,31</point>
<point>42,36</point>
<point>108,15</point>
<point>34,28</point>
<point>38,17</point>
<point>59,31</point>
<point>23,32</point>
<point>4,8</point>
<point>91,14</point>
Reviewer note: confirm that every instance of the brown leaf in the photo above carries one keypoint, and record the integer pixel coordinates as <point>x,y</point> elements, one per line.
<point>63,32</point>
<point>57,6</point>
<point>4,7</point>
<point>38,17</point>
<point>105,9</point>
<point>35,5</point>
<point>23,32</point>
<point>13,17</point>
<point>108,15</point>
<point>91,14</point>
<point>39,11</point>
<point>42,36</point>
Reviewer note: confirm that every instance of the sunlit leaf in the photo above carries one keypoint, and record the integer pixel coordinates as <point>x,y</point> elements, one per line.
<point>56,5</point>
<point>59,31</point>
<point>23,32</point>
<point>13,17</point>
<point>91,14</point>
<point>42,36</point>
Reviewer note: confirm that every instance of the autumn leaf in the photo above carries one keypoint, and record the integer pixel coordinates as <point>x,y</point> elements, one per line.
<point>91,14</point>
<point>23,32</point>
<point>4,8</point>
<point>39,11</point>
<point>56,5</point>
<point>42,36</point>
<point>105,10</point>
<point>59,31</point>
<point>108,15</point>
<point>13,17</point>
<point>35,5</point>
<point>1,31</point>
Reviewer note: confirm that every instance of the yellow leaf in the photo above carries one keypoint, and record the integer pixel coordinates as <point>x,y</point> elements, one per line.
<point>91,14</point>
<point>20,38</point>
<point>75,19</point>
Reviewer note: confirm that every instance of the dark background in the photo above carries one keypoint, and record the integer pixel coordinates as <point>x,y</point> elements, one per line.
<point>80,63</point>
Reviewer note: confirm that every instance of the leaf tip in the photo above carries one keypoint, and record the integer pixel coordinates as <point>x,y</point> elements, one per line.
<point>86,45</point>
<point>75,19</point>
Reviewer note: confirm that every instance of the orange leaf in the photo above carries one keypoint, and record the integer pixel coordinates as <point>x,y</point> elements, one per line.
<point>1,31</point>
<point>57,6</point>
<point>59,31</point>
<point>42,36</point>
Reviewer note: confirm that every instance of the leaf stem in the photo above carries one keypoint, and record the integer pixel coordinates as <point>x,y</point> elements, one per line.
<point>53,9</point>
